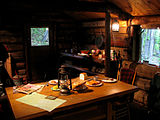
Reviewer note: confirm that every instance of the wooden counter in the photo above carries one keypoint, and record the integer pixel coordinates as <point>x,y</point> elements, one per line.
<point>92,65</point>
<point>94,96</point>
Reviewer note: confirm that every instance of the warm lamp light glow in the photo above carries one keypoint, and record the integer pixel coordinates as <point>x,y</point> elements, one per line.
<point>115,26</point>
<point>123,23</point>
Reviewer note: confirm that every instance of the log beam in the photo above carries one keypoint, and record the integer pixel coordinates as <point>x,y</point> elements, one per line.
<point>146,21</point>
<point>107,44</point>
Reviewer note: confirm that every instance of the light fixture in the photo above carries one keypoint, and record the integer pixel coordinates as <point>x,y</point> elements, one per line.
<point>115,26</point>
<point>64,81</point>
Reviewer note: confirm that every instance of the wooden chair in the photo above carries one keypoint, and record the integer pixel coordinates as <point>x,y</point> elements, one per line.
<point>126,75</point>
<point>120,107</point>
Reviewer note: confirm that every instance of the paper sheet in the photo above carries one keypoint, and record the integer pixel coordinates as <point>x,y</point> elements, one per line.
<point>38,100</point>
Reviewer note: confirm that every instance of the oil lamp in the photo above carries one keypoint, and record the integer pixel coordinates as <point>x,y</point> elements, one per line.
<point>64,81</point>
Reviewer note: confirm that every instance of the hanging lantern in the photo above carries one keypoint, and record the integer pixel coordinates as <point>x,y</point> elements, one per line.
<point>115,26</point>
<point>64,81</point>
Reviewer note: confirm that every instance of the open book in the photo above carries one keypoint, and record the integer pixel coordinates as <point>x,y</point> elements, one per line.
<point>29,88</point>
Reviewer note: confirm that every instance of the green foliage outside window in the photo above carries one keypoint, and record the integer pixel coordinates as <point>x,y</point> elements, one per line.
<point>156,51</point>
<point>39,36</point>
<point>150,48</point>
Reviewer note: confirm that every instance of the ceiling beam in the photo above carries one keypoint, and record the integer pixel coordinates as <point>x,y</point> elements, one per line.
<point>146,20</point>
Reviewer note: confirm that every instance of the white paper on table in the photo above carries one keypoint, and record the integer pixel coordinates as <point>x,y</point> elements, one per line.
<point>38,100</point>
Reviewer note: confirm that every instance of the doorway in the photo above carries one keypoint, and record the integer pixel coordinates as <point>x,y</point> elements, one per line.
<point>41,52</point>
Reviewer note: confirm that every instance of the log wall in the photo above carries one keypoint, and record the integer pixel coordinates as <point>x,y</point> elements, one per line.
<point>67,33</point>
<point>14,42</point>
<point>16,37</point>
<point>94,31</point>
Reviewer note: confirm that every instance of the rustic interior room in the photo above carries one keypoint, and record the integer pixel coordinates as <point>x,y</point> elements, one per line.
<point>85,44</point>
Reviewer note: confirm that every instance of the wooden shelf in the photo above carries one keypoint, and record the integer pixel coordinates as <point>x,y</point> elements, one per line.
<point>81,69</point>
<point>81,63</point>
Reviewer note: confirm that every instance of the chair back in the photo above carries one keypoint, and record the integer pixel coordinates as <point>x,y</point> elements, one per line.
<point>127,75</point>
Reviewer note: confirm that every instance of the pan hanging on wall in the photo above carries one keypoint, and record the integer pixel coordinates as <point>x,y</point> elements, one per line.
<point>99,41</point>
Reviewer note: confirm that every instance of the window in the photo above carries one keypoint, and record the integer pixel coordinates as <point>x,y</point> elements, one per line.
<point>40,36</point>
<point>150,46</point>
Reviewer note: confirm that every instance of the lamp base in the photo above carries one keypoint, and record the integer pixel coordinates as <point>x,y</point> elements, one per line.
<point>65,92</point>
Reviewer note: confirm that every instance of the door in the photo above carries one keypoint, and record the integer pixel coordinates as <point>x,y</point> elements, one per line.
<point>41,53</point>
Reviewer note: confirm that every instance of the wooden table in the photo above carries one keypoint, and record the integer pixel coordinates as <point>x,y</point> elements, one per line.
<point>107,92</point>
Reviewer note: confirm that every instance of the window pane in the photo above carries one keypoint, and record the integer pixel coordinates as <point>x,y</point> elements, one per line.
<point>39,36</point>
<point>150,48</point>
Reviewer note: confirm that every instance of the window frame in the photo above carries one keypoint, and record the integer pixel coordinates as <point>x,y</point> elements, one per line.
<point>157,63</point>
<point>39,26</point>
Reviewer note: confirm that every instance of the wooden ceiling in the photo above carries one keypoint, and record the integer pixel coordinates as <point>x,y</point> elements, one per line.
<point>85,9</point>
<point>89,15</point>
<point>135,7</point>
<point>77,9</point>
<point>139,7</point>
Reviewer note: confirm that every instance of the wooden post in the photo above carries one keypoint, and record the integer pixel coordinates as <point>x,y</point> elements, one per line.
<point>107,44</point>
<point>136,43</point>
<point>27,50</point>
<point>109,111</point>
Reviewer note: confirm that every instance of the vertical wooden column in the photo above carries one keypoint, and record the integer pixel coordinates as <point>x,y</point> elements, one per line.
<point>107,43</point>
<point>27,51</point>
<point>109,111</point>
<point>136,42</point>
